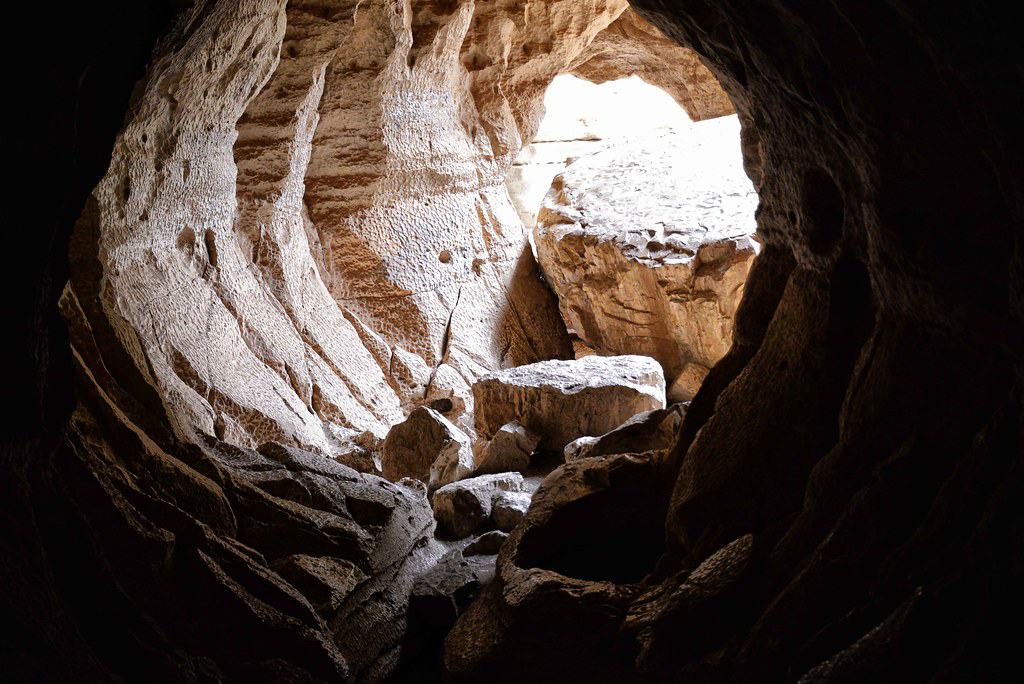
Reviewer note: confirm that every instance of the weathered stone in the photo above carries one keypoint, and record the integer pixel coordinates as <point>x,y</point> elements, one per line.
<point>509,449</point>
<point>651,431</point>
<point>592,533</point>
<point>426,446</point>
<point>648,246</point>
<point>508,508</point>
<point>487,544</point>
<point>325,581</point>
<point>564,400</point>
<point>464,507</point>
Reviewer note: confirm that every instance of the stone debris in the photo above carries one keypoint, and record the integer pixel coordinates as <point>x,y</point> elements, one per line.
<point>564,400</point>
<point>508,508</point>
<point>651,431</point>
<point>508,450</point>
<point>428,447</point>
<point>487,544</point>
<point>464,507</point>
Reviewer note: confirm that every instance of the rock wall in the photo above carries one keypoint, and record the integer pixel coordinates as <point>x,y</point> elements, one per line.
<point>842,507</point>
<point>846,506</point>
<point>648,244</point>
<point>306,216</point>
<point>184,524</point>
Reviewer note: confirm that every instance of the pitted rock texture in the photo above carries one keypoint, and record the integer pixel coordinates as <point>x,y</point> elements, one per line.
<point>831,515</point>
<point>648,246</point>
<point>302,234</point>
<point>823,452</point>
<point>564,400</point>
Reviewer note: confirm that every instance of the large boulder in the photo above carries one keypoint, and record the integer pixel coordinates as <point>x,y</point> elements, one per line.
<point>428,447</point>
<point>464,507</point>
<point>593,533</point>
<point>508,508</point>
<point>564,400</point>
<point>508,450</point>
<point>648,247</point>
<point>651,431</point>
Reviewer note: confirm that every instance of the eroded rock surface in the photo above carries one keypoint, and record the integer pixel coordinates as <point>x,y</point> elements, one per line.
<point>428,447</point>
<point>564,400</point>
<point>648,246</point>
<point>509,449</point>
<point>650,431</point>
<point>464,507</point>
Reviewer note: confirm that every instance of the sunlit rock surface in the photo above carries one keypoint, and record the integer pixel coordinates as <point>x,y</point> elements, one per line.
<point>648,246</point>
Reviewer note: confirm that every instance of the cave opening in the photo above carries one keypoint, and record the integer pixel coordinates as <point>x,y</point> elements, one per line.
<point>641,217</point>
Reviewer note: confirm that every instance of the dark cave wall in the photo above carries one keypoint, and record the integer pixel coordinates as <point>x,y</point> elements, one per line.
<point>869,436</point>
<point>66,101</point>
<point>843,499</point>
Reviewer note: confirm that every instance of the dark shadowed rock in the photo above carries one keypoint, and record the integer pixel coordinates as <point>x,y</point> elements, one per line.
<point>650,431</point>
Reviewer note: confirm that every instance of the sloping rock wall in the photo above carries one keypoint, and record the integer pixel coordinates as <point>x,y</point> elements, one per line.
<point>305,216</point>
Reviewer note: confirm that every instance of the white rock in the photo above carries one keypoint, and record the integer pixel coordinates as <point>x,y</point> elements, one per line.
<point>564,400</point>
<point>577,447</point>
<point>508,508</point>
<point>509,449</point>
<point>464,507</point>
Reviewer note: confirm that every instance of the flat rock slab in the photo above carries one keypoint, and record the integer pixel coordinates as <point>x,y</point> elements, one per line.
<point>564,400</point>
<point>652,431</point>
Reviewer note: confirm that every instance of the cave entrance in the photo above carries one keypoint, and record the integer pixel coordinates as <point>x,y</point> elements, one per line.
<point>642,220</point>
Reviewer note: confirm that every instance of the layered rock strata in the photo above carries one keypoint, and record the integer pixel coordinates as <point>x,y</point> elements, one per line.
<point>648,246</point>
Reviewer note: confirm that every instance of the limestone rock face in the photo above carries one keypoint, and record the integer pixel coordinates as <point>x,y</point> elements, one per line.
<point>464,507</point>
<point>564,400</point>
<point>509,449</point>
<point>648,247</point>
<point>651,431</point>
<point>428,447</point>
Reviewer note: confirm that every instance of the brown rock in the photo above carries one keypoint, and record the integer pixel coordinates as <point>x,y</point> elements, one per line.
<point>650,431</point>
<point>426,446</point>
<point>563,400</point>
<point>464,507</point>
<point>648,246</point>
<point>508,508</point>
<point>508,450</point>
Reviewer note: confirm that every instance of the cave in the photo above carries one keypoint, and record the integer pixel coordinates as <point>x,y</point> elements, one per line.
<point>265,257</point>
